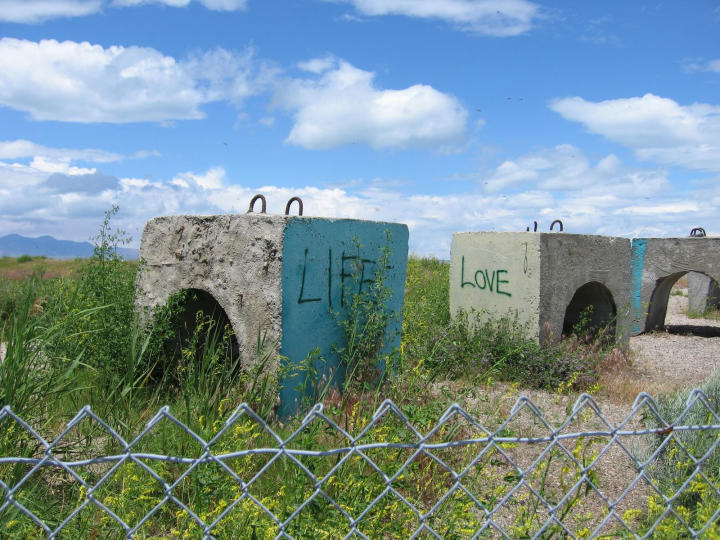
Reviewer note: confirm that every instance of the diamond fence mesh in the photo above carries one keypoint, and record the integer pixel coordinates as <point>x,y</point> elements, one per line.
<point>321,477</point>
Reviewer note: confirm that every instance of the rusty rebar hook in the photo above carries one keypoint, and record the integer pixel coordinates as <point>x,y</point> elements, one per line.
<point>289,203</point>
<point>698,232</point>
<point>263,208</point>
<point>552,225</point>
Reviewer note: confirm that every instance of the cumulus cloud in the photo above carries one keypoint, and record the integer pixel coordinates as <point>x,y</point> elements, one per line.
<point>602,196</point>
<point>80,82</point>
<point>33,11</point>
<point>595,196</point>
<point>657,128</point>
<point>340,104</point>
<point>565,169</point>
<point>499,18</point>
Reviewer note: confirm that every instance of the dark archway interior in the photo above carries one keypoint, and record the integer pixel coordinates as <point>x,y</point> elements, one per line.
<point>591,310</point>
<point>198,301</point>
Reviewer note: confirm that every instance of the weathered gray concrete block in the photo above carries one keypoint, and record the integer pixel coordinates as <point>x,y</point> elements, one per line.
<point>657,263</point>
<point>703,292</point>
<point>547,279</point>
<point>289,278</point>
<point>236,259</point>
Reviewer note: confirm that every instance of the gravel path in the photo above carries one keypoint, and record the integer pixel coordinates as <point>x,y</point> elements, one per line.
<point>668,360</point>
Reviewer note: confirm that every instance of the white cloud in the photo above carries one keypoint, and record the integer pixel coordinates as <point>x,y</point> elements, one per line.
<point>213,179</point>
<point>81,82</point>
<point>613,199</point>
<point>341,105</point>
<point>33,11</point>
<point>216,5</point>
<point>491,17</point>
<point>659,209</point>
<point>565,169</point>
<point>318,65</point>
<point>657,128</point>
<point>701,65</point>
<point>52,165</point>
<point>22,148</point>
<point>563,183</point>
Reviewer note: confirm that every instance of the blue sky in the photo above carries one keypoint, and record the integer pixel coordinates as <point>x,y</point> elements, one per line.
<point>447,115</point>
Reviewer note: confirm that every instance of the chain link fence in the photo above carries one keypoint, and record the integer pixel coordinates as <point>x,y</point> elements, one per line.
<point>646,476</point>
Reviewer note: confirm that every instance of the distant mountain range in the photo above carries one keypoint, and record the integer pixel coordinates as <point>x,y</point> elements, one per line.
<point>15,245</point>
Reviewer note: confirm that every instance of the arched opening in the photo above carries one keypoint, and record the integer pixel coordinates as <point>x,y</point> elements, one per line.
<point>685,303</point>
<point>591,310</point>
<point>200,328</point>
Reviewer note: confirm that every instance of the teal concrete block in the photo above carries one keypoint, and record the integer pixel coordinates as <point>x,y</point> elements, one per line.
<point>325,262</point>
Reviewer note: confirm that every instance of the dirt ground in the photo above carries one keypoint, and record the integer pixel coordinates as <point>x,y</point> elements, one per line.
<point>684,355</point>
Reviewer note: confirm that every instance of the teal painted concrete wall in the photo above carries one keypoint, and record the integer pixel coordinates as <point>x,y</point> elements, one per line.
<point>637,265</point>
<point>321,258</point>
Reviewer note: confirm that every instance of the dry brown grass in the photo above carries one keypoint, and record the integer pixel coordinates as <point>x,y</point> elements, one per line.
<point>10,268</point>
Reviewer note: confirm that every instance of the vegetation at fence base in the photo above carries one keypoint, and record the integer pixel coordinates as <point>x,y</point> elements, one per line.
<point>677,471</point>
<point>210,492</point>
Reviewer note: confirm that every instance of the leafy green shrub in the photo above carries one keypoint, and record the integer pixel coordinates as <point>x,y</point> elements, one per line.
<point>366,323</point>
<point>472,345</point>
<point>675,467</point>
<point>109,281</point>
<point>24,258</point>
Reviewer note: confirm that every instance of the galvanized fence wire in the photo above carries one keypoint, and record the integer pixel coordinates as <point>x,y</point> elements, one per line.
<point>668,432</point>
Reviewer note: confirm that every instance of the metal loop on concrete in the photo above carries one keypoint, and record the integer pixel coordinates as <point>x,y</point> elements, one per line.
<point>698,232</point>
<point>527,229</point>
<point>263,208</point>
<point>552,225</point>
<point>289,203</point>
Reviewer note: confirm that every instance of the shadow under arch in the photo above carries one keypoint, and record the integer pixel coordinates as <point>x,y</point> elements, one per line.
<point>591,309</point>
<point>657,309</point>
<point>191,302</point>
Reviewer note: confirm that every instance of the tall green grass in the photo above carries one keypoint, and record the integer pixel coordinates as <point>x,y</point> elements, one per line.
<point>475,346</point>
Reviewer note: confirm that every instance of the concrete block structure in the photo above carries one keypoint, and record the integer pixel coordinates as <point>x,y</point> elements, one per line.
<point>547,280</point>
<point>288,278</point>
<point>657,263</point>
<point>703,292</point>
